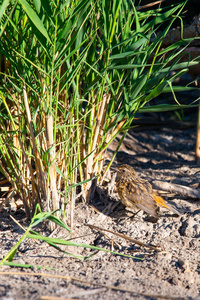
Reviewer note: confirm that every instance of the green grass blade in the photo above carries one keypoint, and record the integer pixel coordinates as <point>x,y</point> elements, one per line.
<point>35,19</point>
<point>69,243</point>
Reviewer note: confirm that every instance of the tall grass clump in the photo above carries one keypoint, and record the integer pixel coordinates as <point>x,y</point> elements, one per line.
<point>73,76</point>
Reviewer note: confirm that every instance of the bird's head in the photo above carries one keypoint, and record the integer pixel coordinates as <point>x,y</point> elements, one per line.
<point>125,171</point>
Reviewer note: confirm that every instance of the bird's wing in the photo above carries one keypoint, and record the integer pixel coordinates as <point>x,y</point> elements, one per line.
<point>139,195</point>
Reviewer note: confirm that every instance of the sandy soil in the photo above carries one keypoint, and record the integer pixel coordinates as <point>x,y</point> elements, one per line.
<point>173,273</point>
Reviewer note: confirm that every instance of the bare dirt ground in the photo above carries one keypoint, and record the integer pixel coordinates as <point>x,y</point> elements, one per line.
<point>173,273</point>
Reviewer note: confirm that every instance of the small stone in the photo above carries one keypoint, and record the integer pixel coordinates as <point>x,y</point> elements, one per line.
<point>181,262</point>
<point>190,228</point>
<point>174,280</point>
<point>19,203</point>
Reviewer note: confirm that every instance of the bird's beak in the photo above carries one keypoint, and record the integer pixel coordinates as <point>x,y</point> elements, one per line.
<point>112,168</point>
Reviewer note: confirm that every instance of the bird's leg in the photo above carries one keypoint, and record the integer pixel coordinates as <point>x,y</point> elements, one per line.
<point>134,213</point>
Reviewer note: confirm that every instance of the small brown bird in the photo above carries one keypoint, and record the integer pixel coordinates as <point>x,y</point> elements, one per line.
<point>137,192</point>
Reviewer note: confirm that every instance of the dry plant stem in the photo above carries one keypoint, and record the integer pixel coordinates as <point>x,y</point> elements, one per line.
<point>53,200</point>
<point>72,201</point>
<point>17,223</point>
<point>150,4</point>
<point>197,150</point>
<point>36,241</point>
<point>41,179</point>
<point>28,113</point>
<point>116,130</point>
<point>178,189</point>
<point>4,181</point>
<point>89,161</point>
<point>92,283</point>
<point>93,159</point>
<point>15,137</point>
<point>125,237</point>
<point>76,295</point>
<point>24,187</point>
<point>56,298</point>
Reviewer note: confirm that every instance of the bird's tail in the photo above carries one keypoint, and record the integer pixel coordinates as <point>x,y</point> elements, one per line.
<point>161,202</point>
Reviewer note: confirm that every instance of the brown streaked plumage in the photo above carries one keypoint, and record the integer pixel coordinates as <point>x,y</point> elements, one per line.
<point>136,192</point>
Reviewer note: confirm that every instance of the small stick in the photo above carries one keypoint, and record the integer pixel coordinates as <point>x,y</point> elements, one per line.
<point>197,148</point>
<point>176,188</point>
<point>125,237</point>
<point>110,287</point>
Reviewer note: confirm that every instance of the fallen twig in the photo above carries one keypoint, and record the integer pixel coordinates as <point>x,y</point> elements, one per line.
<point>176,188</point>
<point>76,295</point>
<point>125,237</point>
<point>111,287</point>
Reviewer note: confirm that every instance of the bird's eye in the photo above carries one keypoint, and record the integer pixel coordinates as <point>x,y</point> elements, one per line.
<point>124,170</point>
